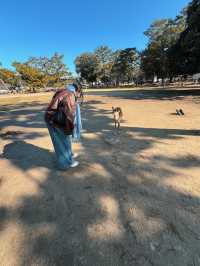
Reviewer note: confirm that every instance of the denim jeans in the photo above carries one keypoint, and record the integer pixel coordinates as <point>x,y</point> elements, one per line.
<point>62,146</point>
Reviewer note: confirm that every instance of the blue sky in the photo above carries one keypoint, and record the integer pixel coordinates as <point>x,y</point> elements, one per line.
<point>42,27</point>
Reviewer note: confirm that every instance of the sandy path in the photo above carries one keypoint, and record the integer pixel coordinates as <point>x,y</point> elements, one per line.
<point>134,200</point>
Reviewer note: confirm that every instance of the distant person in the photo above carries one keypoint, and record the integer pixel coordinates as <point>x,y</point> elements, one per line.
<point>63,119</point>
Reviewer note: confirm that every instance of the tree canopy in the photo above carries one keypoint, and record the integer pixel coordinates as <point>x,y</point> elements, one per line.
<point>32,77</point>
<point>187,49</point>
<point>125,65</point>
<point>87,65</point>
<point>163,35</point>
<point>53,68</point>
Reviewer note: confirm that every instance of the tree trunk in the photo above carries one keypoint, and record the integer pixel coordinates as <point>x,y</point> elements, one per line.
<point>163,82</point>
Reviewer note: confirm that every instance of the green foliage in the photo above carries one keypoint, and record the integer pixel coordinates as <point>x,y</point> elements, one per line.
<point>163,35</point>
<point>151,61</point>
<point>53,68</point>
<point>106,59</point>
<point>186,51</point>
<point>107,66</point>
<point>165,32</point>
<point>126,65</point>
<point>87,65</point>
<point>103,54</point>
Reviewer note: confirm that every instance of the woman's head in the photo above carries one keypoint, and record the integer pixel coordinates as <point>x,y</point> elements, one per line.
<point>78,90</point>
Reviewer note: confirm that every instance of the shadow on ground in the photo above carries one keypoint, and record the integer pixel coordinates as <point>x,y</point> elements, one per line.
<point>24,115</point>
<point>153,94</point>
<point>115,209</point>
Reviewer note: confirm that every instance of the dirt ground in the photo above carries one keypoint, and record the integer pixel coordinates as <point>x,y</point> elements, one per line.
<point>134,199</point>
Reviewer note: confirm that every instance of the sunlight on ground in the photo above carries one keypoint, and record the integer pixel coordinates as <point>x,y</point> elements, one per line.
<point>135,193</point>
<point>109,227</point>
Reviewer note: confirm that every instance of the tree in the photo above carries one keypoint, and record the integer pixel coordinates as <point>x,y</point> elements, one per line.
<point>186,51</point>
<point>162,34</point>
<point>166,31</point>
<point>32,77</point>
<point>125,65</point>
<point>150,61</point>
<point>105,58</point>
<point>87,65</point>
<point>103,54</point>
<point>9,77</point>
<point>52,67</point>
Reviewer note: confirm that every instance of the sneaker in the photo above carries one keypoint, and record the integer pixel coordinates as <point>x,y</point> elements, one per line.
<point>75,155</point>
<point>74,164</point>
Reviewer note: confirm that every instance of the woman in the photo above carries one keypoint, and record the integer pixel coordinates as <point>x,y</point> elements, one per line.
<point>64,122</point>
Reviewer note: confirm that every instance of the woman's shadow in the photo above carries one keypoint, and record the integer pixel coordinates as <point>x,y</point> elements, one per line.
<point>49,208</point>
<point>26,156</point>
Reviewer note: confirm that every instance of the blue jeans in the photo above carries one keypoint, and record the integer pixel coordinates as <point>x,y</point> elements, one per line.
<point>62,146</point>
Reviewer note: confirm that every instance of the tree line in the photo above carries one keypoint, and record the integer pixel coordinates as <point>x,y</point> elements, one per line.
<point>37,73</point>
<point>173,49</point>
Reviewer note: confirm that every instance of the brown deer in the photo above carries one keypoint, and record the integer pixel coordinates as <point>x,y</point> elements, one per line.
<point>118,115</point>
